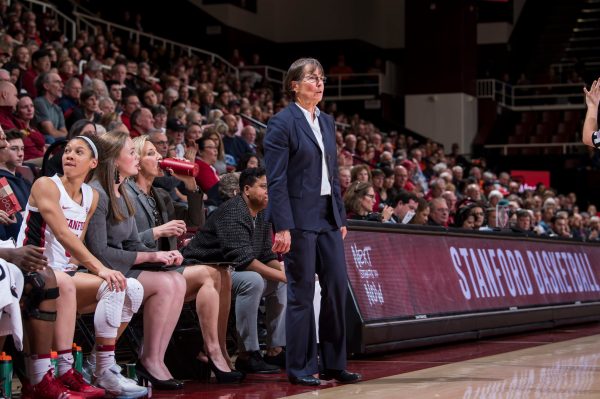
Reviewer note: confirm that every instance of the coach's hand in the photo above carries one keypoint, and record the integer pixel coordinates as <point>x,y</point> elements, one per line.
<point>283,240</point>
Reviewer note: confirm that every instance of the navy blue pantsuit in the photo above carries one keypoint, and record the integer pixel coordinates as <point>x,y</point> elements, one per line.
<point>293,161</point>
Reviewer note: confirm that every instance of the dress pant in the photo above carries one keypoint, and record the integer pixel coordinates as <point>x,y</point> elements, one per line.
<point>248,288</point>
<point>319,252</point>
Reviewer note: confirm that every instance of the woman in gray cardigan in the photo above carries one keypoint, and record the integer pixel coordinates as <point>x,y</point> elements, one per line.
<point>113,238</point>
<point>158,229</point>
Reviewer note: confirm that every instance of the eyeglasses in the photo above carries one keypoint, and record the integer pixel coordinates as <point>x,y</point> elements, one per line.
<point>315,79</point>
<point>160,142</point>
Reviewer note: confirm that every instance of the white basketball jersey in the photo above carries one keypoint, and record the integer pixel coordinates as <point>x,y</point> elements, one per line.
<point>35,231</point>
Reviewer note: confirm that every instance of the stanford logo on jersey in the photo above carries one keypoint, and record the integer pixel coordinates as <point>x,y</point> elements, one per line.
<point>75,224</point>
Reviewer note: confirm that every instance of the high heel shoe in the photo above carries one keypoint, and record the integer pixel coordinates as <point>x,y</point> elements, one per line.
<point>226,377</point>
<point>144,376</point>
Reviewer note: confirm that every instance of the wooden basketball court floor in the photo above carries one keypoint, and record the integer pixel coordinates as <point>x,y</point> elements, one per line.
<point>560,363</point>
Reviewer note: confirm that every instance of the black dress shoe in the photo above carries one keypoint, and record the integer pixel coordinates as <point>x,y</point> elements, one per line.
<point>255,364</point>
<point>277,360</point>
<point>342,376</point>
<point>307,380</point>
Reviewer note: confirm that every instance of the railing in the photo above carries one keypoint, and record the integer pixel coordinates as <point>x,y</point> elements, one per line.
<point>266,72</point>
<point>355,86</point>
<point>69,27</point>
<point>532,97</point>
<point>565,147</point>
<point>86,22</point>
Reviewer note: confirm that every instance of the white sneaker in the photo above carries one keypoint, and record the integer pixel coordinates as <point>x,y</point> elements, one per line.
<point>87,370</point>
<point>118,385</point>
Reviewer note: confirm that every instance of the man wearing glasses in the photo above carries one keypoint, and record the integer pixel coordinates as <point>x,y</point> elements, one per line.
<point>439,212</point>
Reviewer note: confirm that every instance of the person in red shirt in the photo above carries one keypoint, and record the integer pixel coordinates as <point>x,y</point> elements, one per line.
<point>40,63</point>
<point>207,178</point>
<point>131,102</point>
<point>8,101</point>
<point>35,144</point>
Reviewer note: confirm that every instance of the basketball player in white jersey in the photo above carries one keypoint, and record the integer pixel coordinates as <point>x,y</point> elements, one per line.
<point>56,219</point>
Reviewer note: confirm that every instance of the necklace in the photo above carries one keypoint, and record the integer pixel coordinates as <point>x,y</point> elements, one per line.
<point>152,202</point>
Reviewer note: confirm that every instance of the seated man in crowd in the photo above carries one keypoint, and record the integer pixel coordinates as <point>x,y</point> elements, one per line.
<point>48,116</point>
<point>405,207</point>
<point>439,212</point>
<point>13,158</point>
<point>237,233</point>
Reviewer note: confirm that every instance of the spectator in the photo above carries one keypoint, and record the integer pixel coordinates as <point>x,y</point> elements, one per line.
<point>345,178</point>
<point>48,116</point>
<point>439,212</point>
<point>8,101</point>
<point>159,113</point>
<point>115,92</point>
<point>40,64</point>
<point>92,70</point>
<point>207,177</point>
<point>377,178</point>
<point>465,219</point>
<point>423,213</point>
<point>248,161</point>
<point>33,140</point>
<point>405,206</point>
<point>141,122</point>
<point>560,227</point>
<point>249,136</point>
<point>71,97</point>
<point>523,223</point>
<point>359,200</point>
<point>131,102</point>
<point>479,214</point>
<point>257,274</point>
<point>176,133</point>
<point>20,186</point>
<point>87,110</point>
<point>106,105</point>
<point>215,133</point>
<point>361,173</point>
<point>235,146</point>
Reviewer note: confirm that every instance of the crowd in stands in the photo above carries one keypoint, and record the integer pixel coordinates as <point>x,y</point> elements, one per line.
<point>190,108</point>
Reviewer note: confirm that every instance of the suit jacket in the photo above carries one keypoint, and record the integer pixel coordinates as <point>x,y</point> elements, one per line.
<point>144,218</point>
<point>293,163</point>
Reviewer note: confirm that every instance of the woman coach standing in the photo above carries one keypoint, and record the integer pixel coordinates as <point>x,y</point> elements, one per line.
<point>308,216</point>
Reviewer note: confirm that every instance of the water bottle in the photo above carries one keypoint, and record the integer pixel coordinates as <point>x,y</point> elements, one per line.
<point>6,374</point>
<point>78,357</point>
<point>179,166</point>
<point>54,362</point>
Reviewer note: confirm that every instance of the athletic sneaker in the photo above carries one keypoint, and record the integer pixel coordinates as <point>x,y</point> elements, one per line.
<point>118,385</point>
<point>48,388</point>
<point>87,371</point>
<point>73,380</point>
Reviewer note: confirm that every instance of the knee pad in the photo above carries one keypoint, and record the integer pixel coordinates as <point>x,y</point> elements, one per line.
<point>109,308</point>
<point>134,295</point>
<point>34,293</point>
